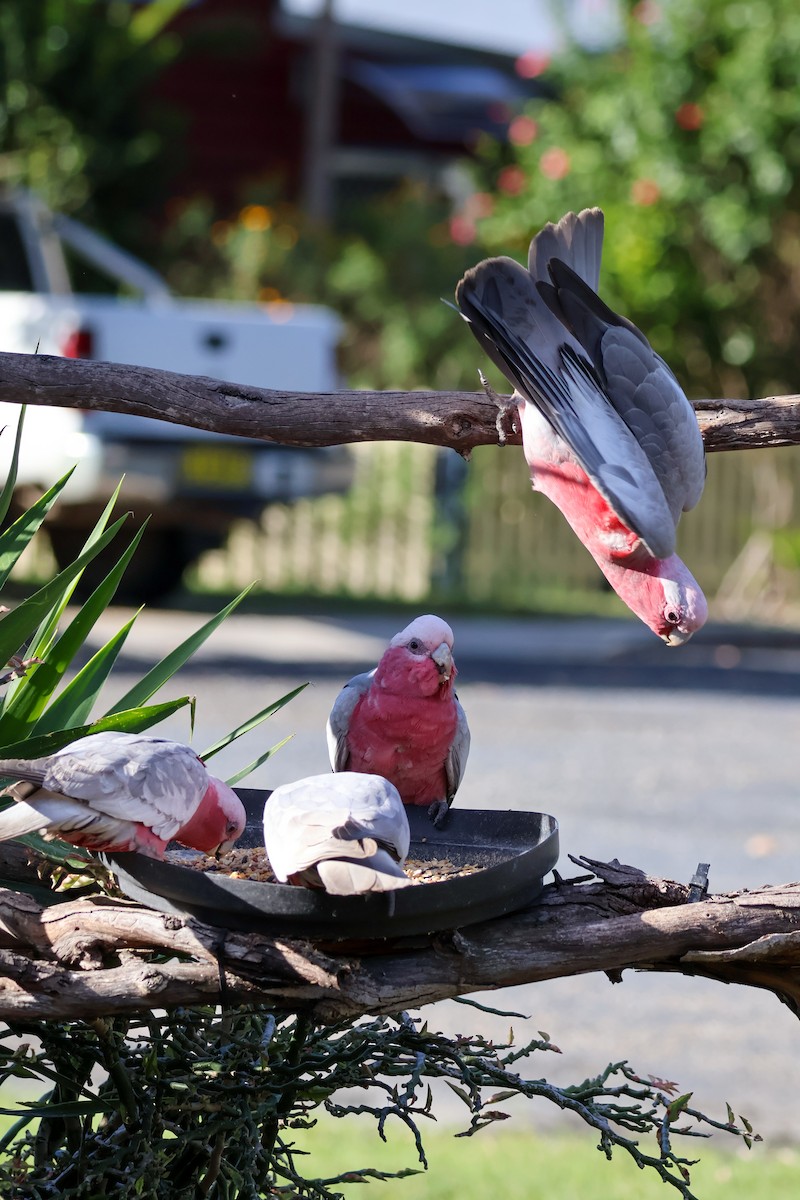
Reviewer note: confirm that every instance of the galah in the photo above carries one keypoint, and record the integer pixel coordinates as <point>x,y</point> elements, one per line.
<point>121,791</point>
<point>345,833</point>
<point>608,434</point>
<point>403,719</point>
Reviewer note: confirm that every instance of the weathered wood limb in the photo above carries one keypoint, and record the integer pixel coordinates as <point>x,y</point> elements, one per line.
<point>462,420</point>
<point>100,957</point>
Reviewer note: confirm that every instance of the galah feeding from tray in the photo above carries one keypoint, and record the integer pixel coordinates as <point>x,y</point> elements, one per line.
<point>608,434</point>
<point>403,720</point>
<point>119,792</point>
<point>345,833</point>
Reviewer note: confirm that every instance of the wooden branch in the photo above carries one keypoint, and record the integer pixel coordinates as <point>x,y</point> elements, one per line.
<point>101,957</point>
<point>462,420</point>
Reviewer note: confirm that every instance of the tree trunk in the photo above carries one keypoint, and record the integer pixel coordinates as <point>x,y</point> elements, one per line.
<point>101,957</point>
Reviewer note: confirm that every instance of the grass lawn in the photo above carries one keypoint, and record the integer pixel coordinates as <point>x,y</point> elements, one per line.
<point>516,1165</point>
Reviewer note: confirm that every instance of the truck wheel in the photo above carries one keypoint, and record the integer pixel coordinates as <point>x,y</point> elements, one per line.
<point>154,571</point>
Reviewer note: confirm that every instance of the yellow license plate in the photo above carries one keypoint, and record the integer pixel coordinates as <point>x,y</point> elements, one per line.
<point>216,467</point>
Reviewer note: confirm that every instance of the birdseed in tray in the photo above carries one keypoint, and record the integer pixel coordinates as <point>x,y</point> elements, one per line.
<point>252,863</point>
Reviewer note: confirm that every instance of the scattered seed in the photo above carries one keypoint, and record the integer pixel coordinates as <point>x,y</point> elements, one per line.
<point>253,864</point>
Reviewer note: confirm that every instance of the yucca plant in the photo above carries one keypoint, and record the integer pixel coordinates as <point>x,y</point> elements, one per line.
<point>39,710</point>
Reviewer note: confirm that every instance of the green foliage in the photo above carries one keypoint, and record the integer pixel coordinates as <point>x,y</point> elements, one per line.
<point>39,712</point>
<point>195,1103</point>
<point>72,76</point>
<point>37,655</point>
<point>385,271</point>
<point>687,136</point>
<point>522,1161</point>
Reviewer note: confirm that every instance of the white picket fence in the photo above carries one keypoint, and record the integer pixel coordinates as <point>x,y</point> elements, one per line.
<point>405,533</point>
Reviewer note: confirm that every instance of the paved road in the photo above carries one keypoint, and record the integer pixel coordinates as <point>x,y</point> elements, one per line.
<point>660,758</point>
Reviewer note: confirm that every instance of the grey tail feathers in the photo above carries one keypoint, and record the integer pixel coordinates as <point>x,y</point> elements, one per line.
<point>21,818</point>
<point>576,240</point>
<point>348,877</point>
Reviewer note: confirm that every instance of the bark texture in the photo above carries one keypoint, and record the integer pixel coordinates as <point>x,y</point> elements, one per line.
<point>462,420</point>
<point>100,957</point>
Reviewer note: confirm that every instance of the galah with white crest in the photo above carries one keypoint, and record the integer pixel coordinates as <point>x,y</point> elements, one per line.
<point>345,833</point>
<point>608,434</point>
<point>122,791</point>
<point>403,720</point>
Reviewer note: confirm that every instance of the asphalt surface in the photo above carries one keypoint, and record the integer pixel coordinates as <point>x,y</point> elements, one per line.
<point>660,758</point>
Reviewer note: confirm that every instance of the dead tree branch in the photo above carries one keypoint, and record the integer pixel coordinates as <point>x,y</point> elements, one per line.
<point>101,957</point>
<point>462,420</point>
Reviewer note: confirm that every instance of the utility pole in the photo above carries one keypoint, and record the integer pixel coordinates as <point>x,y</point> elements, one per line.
<point>322,118</point>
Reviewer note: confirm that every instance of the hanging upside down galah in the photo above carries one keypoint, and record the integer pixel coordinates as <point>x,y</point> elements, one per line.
<point>345,833</point>
<point>403,720</point>
<point>119,792</point>
<point>608,434</point>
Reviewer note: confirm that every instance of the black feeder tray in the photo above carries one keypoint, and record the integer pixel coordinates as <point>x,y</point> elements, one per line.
<point>516,850</point>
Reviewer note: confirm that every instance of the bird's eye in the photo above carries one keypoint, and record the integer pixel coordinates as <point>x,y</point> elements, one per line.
<point>414,645</point>
<point>672,617</point>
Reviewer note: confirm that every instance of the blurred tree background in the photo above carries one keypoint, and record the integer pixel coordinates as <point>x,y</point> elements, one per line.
<point>73,123</point>
<point>687,134</point>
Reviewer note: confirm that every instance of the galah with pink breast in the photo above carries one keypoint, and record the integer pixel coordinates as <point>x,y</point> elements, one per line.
<point>608,434</point>
<point>119,792</point>
<point>345,833</point>
<point>404,721</point>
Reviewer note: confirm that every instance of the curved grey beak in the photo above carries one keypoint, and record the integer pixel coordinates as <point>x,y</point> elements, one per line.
<point>443,658</point>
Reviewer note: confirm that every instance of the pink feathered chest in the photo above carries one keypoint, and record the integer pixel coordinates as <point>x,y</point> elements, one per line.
<point>406,739</point>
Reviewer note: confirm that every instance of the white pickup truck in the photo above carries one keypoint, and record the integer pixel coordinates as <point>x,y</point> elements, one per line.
<point>191,483</point>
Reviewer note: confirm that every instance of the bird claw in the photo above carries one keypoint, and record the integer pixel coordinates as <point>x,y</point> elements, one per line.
<point>506,420</point>
<point>438,813</point>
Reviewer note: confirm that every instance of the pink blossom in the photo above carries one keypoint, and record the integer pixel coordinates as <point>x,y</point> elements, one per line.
<point>511,180</point>
<point>479,204</point>
<point>522,131</point>
<point>462,230</point>
<point>690,116</point>
<point>532,63</point>
<point>555,163</point>
<point>647,12</point>
<point>645,191</point>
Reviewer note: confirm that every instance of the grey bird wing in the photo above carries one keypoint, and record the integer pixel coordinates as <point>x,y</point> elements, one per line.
<point>315,819</point>
<point>339,719</point>
<point>456,761</point>
<point>638,383</point>
<point>598,408</point>
<point>377,872</point>
<point>153,781</point>
<point>43,811</point>
<point>577,239</point>
<point>387,825</point>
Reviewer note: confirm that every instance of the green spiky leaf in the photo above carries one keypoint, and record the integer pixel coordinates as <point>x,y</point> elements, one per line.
<point>262,758</point>
<point>11,477</point>
<point>18,625</point>
<point>252,723</point>
<point>134,720</point>
<point>162,672</point>
<point>18,536</point>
